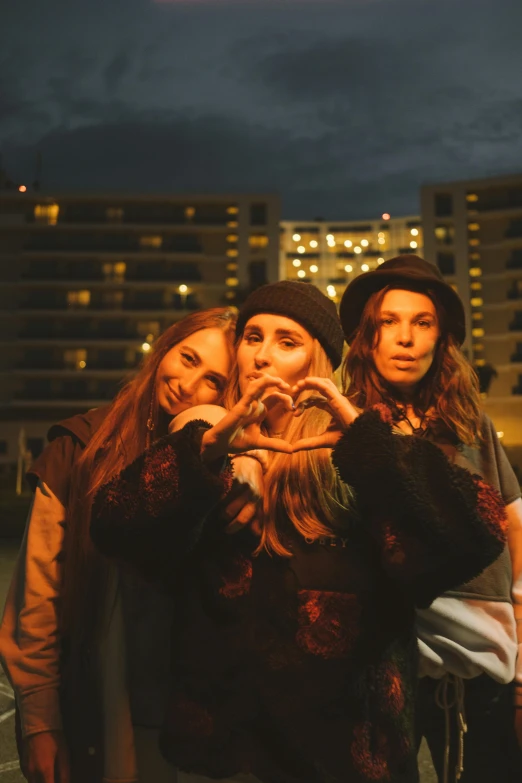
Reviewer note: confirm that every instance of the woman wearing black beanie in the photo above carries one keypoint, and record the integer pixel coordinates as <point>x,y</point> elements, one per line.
<point>295,652</point>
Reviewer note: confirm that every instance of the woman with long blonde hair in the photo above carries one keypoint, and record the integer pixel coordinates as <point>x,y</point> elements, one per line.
<point>69,616</point>
<point>295,653</point>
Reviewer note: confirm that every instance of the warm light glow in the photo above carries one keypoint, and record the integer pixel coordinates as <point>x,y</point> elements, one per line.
<point>232,281</point>
<point>475,271</point>
<point>47,213</point>
<point>477,301</point>
<point>380,234</point>
<point>296,262</point>
<point>189,212</point>
<point>364,242</point>
<point>473,226</point>
<point>348,243</point>
<point>414,232</point>
<point>413,243</point>
<point>365,268</point>
<point>82,365</point>
<point>348,268</point>
<point>381,240</point>
<point>22,188</point>
<point>301,273</point>
<point>183,289</point>
<point>301,249</point>
<point>357,249</point>
<point>472,197</point>
<point>150,338</point>
<point>331,243</point>
<point>314,243</point>
<point>385,215</point>
<point>297,237</point>
<point>478,332</point>
<point>145,347</point>
<point>330,238</point>
<point>330,290</point>
<point>314,268</point>
<point>380,261</point>
<point>232,210</point>
<point>500,435</point>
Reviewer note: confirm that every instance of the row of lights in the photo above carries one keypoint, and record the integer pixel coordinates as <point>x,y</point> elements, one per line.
<point>330,239</point>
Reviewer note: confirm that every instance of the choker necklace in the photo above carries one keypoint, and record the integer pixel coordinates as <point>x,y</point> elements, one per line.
<point>420,431</point>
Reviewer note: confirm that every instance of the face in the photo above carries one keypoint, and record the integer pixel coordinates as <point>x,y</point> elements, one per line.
<point>408,336</point>
<point>194,372</point>
<point>274,345</point>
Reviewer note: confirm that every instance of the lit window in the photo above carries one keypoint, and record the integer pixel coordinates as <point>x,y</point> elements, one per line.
<point>331,242</point>
<point>314,268</point>
<point>47,213</point>
<point>477,315</point>
<point>232,238</point>
<point>232,224</point>
<point>475,271</point>
<point>365,268</point>
<point>301,249</point>
<point>183,288</point>
<point>78,298</point>
<point>296,237</point>
<point>301,273</point>
<point>478,346</point>
<point>357,249</point>
<point>232,281</point>
<point>330,290</point>
<point>414,232</point>
<point>115,272</point>
<point>348,268</point>
<point>478,332</point>
<point>232,210</point>
<point>330,238</point>
<point>380,261</point>
<point>155,241</point>
<point>231,267</point>
<point>364,242</point>
<point>114,214</point>
<point>314,243</point>
<point>75,359</point>
<point>472,197</point>
<point>189,212</point>
<point>474,256</point>
<point>258,240</point>
<point>477,301</point>
<point>381,234</point>
<point>381,240</point>
<point>145,347</point>
<point>479,362</point>
<point>500,434</point>
<point>230,294</point>
<point>476,286</point>
<point>232,252</point>
<point>148,329</point>
<point>296,262</point>
<point>441,232</point>
<point>473,226</point>
<point>348,243</point>
<point>413,244</point>
<point>474,242</point>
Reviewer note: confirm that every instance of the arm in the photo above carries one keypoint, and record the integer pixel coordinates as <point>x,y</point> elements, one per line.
<point>154,511</point>
<point>436,525</point>
<point>514,514</point>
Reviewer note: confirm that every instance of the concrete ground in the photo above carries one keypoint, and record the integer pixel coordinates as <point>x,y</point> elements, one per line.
<point>9,768</point>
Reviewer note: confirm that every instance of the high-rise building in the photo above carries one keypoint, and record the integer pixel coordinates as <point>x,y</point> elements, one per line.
<point>473,230</point>
<point>88,281</point>
<point>330,254</point>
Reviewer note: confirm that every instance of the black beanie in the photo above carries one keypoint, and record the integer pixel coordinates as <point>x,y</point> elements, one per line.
<point>303,303</point>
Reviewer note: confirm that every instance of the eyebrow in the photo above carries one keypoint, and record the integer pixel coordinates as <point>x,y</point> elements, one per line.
<point>278,332</point>
<point>198,359</point>
<point>423,314</point>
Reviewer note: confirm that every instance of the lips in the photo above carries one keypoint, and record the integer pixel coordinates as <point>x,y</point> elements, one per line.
<point>403,357</point>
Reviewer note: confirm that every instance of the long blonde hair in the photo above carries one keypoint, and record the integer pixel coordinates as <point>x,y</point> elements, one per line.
<point>302,489</point>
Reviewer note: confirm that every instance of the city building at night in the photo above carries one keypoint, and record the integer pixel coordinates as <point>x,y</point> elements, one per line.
<point>473,230</point>
<point>330,254</point>
<point>88,281</point>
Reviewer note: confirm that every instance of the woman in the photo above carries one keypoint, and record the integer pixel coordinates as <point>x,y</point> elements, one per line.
<point>295,652</point>
<point>64,605</point>
<point>468,637</point>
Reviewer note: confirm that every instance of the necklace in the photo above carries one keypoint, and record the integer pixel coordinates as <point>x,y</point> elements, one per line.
<point>420,430</point>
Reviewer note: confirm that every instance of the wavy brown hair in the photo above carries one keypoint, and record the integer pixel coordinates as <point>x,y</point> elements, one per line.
<point>449,392</point>
<point>121,438</point>
<point>303,488</point>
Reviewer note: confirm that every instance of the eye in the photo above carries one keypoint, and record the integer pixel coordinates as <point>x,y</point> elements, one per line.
<point>251,338</point>
<point>425,324</point>
<point>386,321</point>
<point>214,382</point>
<point>288,344</point>
<point>188,358</point>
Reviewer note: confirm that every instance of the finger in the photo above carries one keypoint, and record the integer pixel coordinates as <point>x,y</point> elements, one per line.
<point>327,440</point>
<point>272,444</point>
<point>258,386</point>
<point>313,401</point>
<point>323,385</point>
<point>235,506</point>
<point>245,516</point>
<point>278,398</point>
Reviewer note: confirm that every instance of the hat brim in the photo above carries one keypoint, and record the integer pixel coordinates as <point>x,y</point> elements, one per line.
<point>362,287</point>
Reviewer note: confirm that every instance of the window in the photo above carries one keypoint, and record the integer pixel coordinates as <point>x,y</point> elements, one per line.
<point>258,215</point>
<point>472,197</point>
<point>154,241</point>
<point>444,234</point>
<point>3,447</point>
<point>232,238</point>
<point>446,263</point>
<point>75,359</point>
<point>47,214</point>
<point>443,204</point>
<point>78,299</point>
<point>232,210</point>
<point>473,226</point>
<point>148,329</point>
<point>189,212</point>
<point>232,252</point>
<point>257,274</point>
<point>114,272</point>
<point>231,267</point>
<point>232,281</point>
<point>113,299</point>
<point>114,214</point>
<point>258,240</point>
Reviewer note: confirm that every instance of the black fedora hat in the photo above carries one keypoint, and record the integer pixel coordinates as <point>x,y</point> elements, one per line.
<point>413,272</point>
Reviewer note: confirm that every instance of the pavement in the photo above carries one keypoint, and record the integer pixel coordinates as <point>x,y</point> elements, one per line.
<point>9,768</point>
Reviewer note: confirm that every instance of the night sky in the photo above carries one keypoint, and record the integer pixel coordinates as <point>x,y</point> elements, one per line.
<point>343,106</point>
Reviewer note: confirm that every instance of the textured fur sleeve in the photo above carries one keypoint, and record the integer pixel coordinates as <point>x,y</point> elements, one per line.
<point>152,514</point>
<point>436,524</point>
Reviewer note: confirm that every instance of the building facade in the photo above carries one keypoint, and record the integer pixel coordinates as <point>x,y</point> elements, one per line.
<point>331,254</point>
<point>473,230</point>
<point>87,282</point>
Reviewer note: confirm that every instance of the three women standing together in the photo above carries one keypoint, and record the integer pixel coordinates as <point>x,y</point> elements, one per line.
<point>289,648</point>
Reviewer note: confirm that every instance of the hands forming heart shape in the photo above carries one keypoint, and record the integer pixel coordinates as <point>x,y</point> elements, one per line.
<point>240,428</point>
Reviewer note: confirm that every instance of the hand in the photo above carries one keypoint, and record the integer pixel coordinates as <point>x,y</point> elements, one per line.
<point>240,429</point>
<point>243,509</point>
<point>46,758</point>
<point>518,725</point>
<point>342,411</point>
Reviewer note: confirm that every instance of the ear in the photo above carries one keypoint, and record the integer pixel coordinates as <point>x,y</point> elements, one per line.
<point>210,413</point>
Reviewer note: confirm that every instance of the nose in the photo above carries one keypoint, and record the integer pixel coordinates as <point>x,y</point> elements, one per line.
<point>405,334</point>
<point>262,356</point>
<point>188,386</point>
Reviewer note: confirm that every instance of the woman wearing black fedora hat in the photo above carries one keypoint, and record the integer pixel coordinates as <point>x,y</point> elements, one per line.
<point>405,326</point>
<point>295,653</point>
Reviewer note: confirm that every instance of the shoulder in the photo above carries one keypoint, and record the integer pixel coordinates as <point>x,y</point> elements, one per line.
<point>81,427</point>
